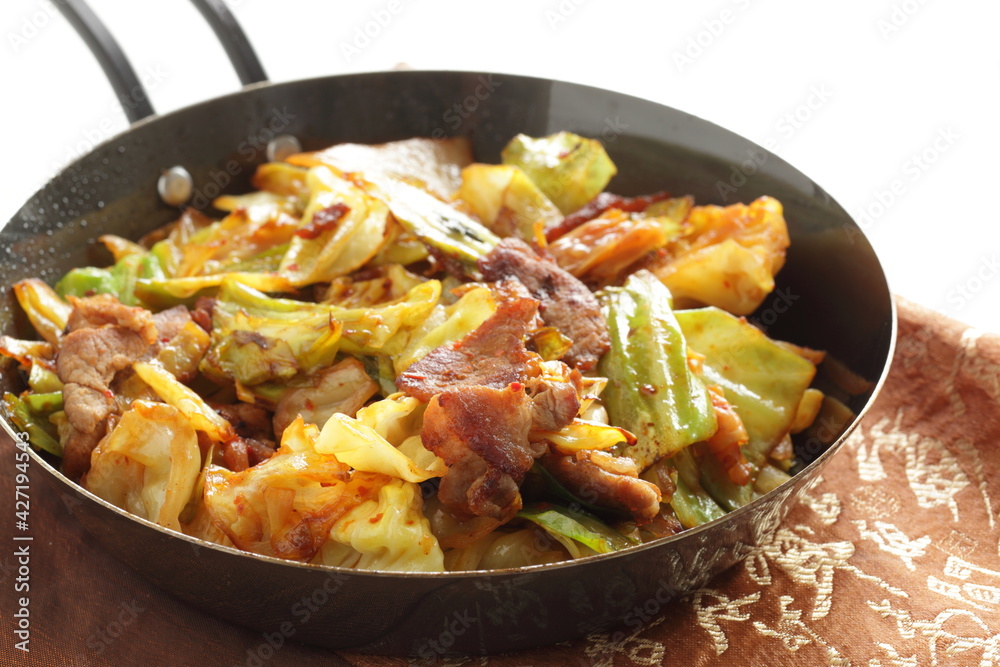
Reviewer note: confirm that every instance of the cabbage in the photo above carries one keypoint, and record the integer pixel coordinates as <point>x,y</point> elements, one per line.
<point>342,388</point>
<point>389,532</point>
<point>600,251</point>
<point>727,257</point>
<point>507,201</point>
<point>148,464</point>
<point>46,310</point>
<point>341,229</point>
<point>286,505</point>
<point>569,169</point>
<point>361,447</point>
<point>192,406</point>
<point>762,380</point>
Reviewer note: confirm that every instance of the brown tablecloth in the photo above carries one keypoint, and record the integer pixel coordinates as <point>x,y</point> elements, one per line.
<point>891,560</point>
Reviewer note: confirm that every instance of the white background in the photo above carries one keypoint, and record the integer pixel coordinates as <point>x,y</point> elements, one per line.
<point>864,96</point>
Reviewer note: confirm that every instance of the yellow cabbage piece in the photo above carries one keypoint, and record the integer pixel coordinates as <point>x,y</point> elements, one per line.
<point>392,282</point>
<point>727,257</point>
<point>192,406</point>
<point>361,447</point>
<point>570,169</point>
<point>507,201</point>
<point>148,464</point>
<point>320,255</point>
<point>432,163</point>
<point>286,505</point>
<point>47,311</point>
<point>582,434</point>
<point>389,532</point>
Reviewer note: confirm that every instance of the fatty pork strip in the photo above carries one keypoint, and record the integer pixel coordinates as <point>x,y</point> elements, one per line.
<point>104,338</point>
<point>565,302</point>
<point>606,481</point>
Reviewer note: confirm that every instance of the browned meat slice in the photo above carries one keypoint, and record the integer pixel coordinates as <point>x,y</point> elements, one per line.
<point>554,403</point>
<point>565,302</point>
<point>482,434</point>
<point>104,309</point>
<point>249,421</point>
<point>491,356</point>
<point>202,313</point>
<point>242,453</point>
<point>606,481</point>
<point>105,337</point>
<point>170,322</point>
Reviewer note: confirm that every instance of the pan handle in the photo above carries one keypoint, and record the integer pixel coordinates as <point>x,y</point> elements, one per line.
<point>111,58</point>
<point>120,74</point>
<point>234,40</point>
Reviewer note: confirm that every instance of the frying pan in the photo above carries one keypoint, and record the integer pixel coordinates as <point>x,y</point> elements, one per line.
<point>831,295</point>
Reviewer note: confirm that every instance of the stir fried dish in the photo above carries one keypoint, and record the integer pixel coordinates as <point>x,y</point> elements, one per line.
<point>395,358</point>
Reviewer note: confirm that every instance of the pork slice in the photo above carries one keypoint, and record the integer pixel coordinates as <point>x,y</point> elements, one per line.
<point>104,338</point>
<point>493,355</point>
<point>606,481</point>
<point>554,403</point>
<point>482,434</point>
<point>565,302</point>
<point>169,322</point>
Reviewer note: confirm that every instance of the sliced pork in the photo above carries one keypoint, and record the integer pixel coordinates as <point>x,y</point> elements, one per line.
<point>565,302</point>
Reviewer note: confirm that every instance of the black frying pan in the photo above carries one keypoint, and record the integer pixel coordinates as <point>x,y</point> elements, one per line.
<point>831,295</point>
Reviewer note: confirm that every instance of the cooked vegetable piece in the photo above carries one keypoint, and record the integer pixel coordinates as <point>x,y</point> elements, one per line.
<point>763,380</point>
<point>162,293</point>
<point>256,339</point>
<point>192,406</point>
<point>727,257</point>
<point>286,505</point>
<point>599,252</point>
<point>362,448</point>
<point>582,434</point>
<point>440,226</point>
<point>341,229</point>
<point>570,169</point>
<point>576,525</point>
<point>388,532</point>
<point>693,506</point>
<point>651,390</point>
<point>507,201</point>
<point>119,280</point>
<point>40,433</point>
<point>148,464</point>
<point>434,164</point>
<point>46,310</point>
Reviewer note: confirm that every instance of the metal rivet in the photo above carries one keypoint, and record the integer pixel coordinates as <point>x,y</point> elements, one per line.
<point>282,146</point>
<point>175,186</point>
